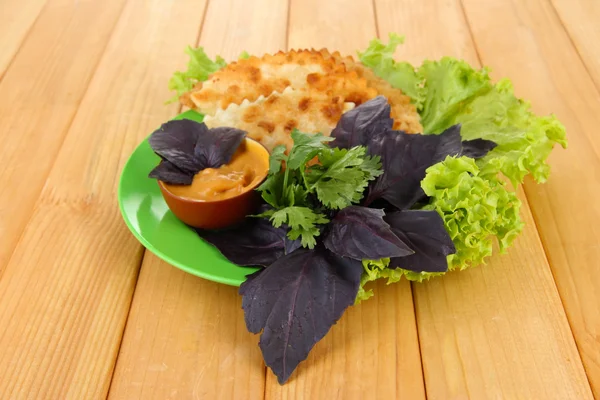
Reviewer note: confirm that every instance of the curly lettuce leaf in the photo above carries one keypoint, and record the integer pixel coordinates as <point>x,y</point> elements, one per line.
<point>199,68</point>
<point>524,140</point>
<point>401,75</point>
<point>378,269</point>
<point>449,85</point>
<point>373,270</point>
<point>475,209</point>
<point>449,92</point>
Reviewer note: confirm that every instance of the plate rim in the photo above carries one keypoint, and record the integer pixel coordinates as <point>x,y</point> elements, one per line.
<point>148,245</point>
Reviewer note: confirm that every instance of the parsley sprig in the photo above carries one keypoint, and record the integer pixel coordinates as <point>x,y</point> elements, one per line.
<point>312,180</point>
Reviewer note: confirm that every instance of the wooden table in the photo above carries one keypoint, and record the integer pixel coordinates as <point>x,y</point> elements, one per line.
<point>85,313</point>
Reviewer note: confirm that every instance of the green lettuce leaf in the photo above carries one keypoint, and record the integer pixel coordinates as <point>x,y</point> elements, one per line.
<point>524,140</point>
<point>476,209</point>
<point>450,91</point>
<point>200,66</point>
<point>373,270</point>
<point>401,75</point>
<point>449,84</point>
<point>377,269</point>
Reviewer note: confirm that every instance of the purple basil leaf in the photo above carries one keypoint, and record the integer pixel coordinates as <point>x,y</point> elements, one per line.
<point>359,125</point>
<point>477,148</point>
<point>295,301</point>
<point>405,157</point>
<point>254,242</point>
<point>361,233</point>
<point>425,233</point>
<point>169,173</point>
<point>175,141</point>
<point>449,144</point>
<point>218,146</point>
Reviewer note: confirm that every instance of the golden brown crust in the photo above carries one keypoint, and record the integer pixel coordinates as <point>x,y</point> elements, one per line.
<point>304,89</point>
<point>251,78</point>
<point>403,112</point>
<point>270,120</point>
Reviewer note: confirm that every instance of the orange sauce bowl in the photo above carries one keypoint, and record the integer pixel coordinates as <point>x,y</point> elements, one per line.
<point>219,213</point>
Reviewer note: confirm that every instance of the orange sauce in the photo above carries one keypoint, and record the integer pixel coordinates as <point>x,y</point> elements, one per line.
<point>246,169</point>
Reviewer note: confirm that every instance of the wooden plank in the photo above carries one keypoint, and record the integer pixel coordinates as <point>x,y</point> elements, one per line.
<point>406,17</point>
<point>371,353</point>
<point>186,337</point>
<point>581,19</point>
<point>342,25</point>
<point>231,26</point>
<point>16,18</point>
<point>565,209</point>
<point>40,95</point>
<point>66,292</point>
<point>373,350</point>
<point>498,331</point>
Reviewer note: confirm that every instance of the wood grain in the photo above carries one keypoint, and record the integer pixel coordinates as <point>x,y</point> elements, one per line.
<point>497,331</point>
<point>565,209</point>
<point>373,350</point>
<point>16,18</point>
<point>40,95</point>
<point>230,27</point>
<point>343,25</point>
<point>371,353</point>
<point>65,294</point>
<point>79,91</point>
<point>581,19</point>
<point>406,17</point>
<point>186,337</point>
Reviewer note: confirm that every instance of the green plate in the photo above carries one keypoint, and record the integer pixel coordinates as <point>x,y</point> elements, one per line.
<point>154,225</point>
